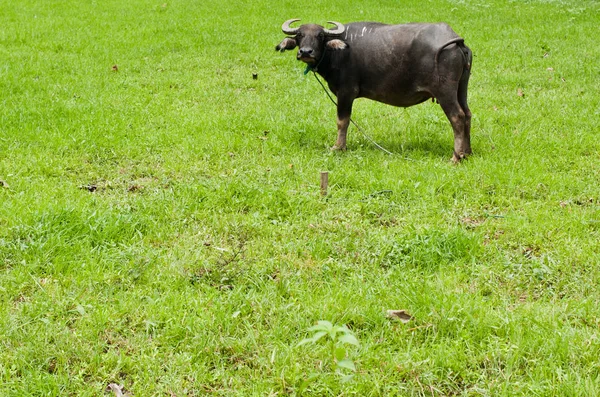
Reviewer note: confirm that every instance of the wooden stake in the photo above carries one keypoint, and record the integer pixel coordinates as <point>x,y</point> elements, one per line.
<point>324,182</point>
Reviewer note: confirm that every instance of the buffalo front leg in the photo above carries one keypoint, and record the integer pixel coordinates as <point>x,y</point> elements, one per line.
<point>342,131</point>
<point>344,110</point>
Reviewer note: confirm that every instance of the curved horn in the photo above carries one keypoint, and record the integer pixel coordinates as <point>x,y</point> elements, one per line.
<point>287,29</point>
<point>339,29</point>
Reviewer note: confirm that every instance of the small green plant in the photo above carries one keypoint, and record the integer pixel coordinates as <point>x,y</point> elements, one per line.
<point>338,336</point>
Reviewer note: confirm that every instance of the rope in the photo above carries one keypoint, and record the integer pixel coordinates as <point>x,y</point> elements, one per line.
<point>378,146</point>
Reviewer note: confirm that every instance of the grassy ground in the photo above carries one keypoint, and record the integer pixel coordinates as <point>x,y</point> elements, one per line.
<point>161,226</point>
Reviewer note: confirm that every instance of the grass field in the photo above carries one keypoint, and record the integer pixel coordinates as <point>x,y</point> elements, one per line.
<point>161,226</point>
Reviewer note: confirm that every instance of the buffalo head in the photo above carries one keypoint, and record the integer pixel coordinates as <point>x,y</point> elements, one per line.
<point>311,40</point>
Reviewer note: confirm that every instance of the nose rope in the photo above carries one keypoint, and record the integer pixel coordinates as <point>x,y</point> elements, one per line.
<point>378,146</point>
<point>314,69</point>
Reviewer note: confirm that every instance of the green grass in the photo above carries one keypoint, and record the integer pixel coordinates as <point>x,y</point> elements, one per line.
<point>161,225</point>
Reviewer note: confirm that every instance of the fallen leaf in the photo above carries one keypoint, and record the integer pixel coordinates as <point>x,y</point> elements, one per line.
<point>401,315</point>
<point>134,188</point>
<point>528,252</point>
<point>3,184</point>
<point>520,92</point>
<point>116,389</point>
<point>115,68</point>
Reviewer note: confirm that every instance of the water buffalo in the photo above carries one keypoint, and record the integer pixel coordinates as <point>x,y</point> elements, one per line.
<point>400,65</point>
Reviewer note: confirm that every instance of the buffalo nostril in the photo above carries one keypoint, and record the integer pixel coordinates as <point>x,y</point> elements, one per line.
<point>306,51</point>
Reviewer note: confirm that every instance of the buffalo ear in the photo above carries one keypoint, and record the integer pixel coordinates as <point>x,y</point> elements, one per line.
<point>336,44</point>
<point>287,44</point>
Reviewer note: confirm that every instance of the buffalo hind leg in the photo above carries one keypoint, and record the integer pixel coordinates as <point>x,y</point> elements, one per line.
<point>462,95</point>
<point>462,101</point>
<point>344,109</point>
<point>458,119</point>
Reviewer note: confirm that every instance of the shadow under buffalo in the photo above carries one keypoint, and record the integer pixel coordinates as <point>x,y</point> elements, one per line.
<point>431,146</point>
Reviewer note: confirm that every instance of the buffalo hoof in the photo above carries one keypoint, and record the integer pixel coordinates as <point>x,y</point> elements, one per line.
<point>336,148</point>
<point>458,157</point>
